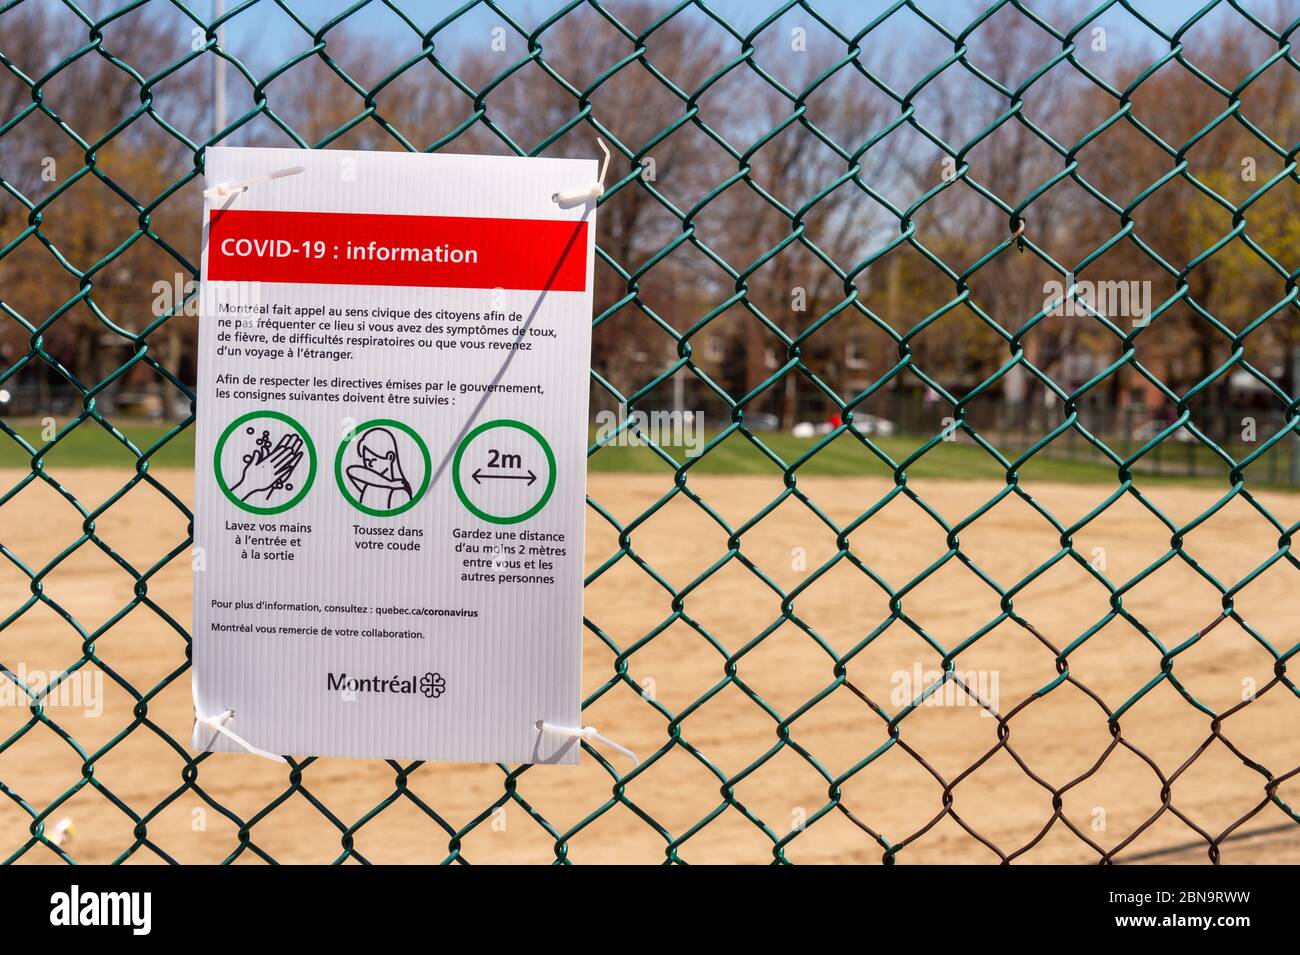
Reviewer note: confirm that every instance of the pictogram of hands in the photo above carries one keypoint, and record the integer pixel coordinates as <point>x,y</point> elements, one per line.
<point>270,471</point>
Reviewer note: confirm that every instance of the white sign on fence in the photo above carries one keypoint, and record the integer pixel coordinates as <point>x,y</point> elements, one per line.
<point>391,454</point>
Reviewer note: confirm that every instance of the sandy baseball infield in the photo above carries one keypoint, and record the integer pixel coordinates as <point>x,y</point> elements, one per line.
<point>1057,738</point>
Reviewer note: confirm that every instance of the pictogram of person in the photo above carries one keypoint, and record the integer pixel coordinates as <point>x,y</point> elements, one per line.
<point>379,480</point>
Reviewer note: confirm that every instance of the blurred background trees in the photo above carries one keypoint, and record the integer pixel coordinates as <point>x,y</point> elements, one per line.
<point>775,189</point>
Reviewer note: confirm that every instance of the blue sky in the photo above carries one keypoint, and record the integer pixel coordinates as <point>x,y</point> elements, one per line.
<point>263,37</point>
<point>269,24</point>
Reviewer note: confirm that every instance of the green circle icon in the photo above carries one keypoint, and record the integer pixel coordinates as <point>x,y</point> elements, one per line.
<point>460,487</point>
<point>261,479</point>
<point>375,447</point>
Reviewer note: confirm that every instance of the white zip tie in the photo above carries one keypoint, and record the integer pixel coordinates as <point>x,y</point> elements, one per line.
<point>218,724</point>
<point>588,732</point>
<point>223,189</point>
<point>590,194</point>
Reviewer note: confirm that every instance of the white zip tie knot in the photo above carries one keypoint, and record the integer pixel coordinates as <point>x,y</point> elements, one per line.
<point>588,733</point>
<point>590,194</point>
<point>218,725</point>
<point>224,189</point>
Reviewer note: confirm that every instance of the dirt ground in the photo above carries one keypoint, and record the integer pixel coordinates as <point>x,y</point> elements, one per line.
<point>1006,799</point>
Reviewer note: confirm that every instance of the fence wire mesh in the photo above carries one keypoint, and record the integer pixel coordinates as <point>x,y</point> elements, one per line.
<point>786,165</point>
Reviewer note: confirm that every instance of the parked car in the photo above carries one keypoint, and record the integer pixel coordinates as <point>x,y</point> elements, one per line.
<point>804,429</point>
<point>870,424</point>
<point>1149,429</point>
<point>761,421</point>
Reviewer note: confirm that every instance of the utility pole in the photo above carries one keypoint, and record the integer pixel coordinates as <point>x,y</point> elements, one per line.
<point>679,394</point>
<point>219,72</point>
<point>1293,439</point>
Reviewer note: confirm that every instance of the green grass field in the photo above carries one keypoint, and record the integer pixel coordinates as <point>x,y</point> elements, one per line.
<point>91,445</point>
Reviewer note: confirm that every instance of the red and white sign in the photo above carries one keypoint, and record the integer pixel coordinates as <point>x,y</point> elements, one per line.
<point>391,455</point>
<point>342,248</point>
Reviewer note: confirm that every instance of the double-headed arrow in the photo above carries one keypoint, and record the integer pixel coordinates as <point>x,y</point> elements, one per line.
<point>478,476</point>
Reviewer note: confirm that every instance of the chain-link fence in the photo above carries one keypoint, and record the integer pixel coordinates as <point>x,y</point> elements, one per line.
<point>1056,207</point>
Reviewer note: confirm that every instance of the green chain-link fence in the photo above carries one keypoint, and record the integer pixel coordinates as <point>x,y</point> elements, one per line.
<point>76,51</point>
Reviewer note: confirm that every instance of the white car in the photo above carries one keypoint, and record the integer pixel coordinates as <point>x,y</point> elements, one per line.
<point>870,424</point>
<point>1149,429</point>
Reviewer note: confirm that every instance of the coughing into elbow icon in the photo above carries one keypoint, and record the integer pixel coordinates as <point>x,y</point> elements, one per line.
<point>379,480</point>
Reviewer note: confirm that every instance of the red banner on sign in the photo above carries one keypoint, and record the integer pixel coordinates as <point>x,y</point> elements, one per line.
<point>344,248</point>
